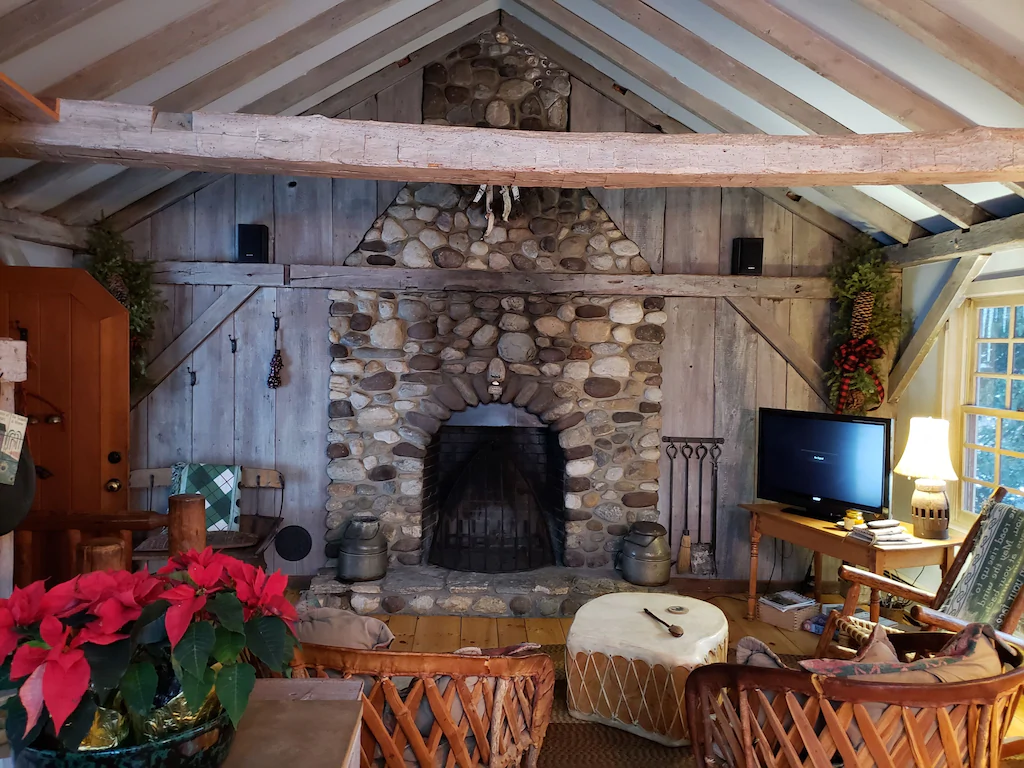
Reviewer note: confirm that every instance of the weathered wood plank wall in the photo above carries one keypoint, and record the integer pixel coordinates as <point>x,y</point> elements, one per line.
<point>717,369</point>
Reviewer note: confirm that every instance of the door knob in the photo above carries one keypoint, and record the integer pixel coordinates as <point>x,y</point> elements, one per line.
<point>113,485</point>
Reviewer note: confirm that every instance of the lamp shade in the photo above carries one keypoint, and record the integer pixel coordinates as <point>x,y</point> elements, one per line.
<point>927,451</point>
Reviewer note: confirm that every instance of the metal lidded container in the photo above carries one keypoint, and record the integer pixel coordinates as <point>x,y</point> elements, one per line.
<point>646,558</point>
<point>362,549</point>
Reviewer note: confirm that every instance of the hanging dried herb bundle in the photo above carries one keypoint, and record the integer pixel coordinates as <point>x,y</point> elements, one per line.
<point>866,321</point>
<point>131,283</point>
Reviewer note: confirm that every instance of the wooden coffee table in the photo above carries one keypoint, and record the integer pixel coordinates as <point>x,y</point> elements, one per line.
<point>824,538</point>
<point>625,670</point>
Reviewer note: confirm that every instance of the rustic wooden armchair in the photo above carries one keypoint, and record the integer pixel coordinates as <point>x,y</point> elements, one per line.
<point>442,710</point>
<point>933,609</point>
<point>751,717</point>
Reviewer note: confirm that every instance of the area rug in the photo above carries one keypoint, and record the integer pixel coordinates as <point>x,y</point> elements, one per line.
<point>572,743</point>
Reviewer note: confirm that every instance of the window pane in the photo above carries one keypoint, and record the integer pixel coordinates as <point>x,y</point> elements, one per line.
<point>981,465</point>
<point>1018,359</point>
<point>1017,396</point>
<point>1013,435</point>
<point>994,323</point>
<point>992,358</point>
<point>974,497</point>
<point>981,430</point>
<point>1011,472</point>
<point>1019,327</point>
<point>991,393</point>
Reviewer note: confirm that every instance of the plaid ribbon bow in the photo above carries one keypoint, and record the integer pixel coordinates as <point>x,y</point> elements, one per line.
<point>856,355</point>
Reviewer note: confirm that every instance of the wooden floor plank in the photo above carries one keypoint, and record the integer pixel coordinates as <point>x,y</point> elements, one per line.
<point>479,632</point>
<point>735,611</point>
<point>511,631</point>
<point>385,617</point>
<point>439,634</point>
<point>404,628</point>
<point>566,622</point>
<point>544,631</point>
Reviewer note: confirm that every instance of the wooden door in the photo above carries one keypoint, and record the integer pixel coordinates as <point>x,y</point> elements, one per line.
<point>78,371</point>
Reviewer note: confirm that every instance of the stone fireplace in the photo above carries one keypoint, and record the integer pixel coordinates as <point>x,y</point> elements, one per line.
<point>495,431</point>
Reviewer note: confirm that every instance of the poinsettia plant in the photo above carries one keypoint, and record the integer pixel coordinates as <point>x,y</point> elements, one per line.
<point>127,641</point>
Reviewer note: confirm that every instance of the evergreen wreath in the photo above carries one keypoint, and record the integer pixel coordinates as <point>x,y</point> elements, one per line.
<point>865,322</point>
<point>131,283</point>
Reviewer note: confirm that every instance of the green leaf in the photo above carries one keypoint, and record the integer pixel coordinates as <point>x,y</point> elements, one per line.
<point>17,719</point>
<point>138,687</point>
<point>149,627</point>
<point>78,723</point>
<point>234,684</point>
<point>266,637</point>
<point>107,664</point>
<point>228,609</point>
<point>196,689</point>
<point>193,650</point>
<point>228,645</point>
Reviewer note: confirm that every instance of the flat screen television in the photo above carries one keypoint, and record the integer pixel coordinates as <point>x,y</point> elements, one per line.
<point>823,464</point>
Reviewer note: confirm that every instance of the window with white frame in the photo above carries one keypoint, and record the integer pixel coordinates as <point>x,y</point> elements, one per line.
<point>993,401</point>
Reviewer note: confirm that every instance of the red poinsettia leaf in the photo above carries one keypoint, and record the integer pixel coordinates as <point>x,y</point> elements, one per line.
<point>116,611</point>
<point>93,633</point>
<point>63,600</point>
<point>182,592</point>
<point>276,584</point>
<point>8,643</point>
<point>64,686</point>
<point>180,615</point>
<point>206,577</point>
<point>25,604</point>
<point>27,660</point>
<point>31,695</point>
<point>53,632</point>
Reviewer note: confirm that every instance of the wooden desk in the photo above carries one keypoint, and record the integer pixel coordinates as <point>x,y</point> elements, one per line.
<point>312,723</point>
<point>824,538</point>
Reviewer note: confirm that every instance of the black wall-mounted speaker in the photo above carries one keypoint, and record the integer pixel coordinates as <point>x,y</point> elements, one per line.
<point>747,255</point>
<point>253,244</point>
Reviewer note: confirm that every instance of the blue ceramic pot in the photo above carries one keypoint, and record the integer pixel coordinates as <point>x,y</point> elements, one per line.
<point>205,746</point>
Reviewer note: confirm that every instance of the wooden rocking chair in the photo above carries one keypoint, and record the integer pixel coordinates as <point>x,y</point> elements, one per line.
<point>441,709</point>
<point>930,609</point>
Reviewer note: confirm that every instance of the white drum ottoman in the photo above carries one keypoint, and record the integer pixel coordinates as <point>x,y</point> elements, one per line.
<point>625,670</point>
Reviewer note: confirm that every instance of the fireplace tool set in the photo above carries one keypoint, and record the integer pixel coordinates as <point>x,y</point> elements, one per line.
<point>701,455</point>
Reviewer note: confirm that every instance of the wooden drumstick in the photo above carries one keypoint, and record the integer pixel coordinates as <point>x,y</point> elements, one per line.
<point>674,629</point>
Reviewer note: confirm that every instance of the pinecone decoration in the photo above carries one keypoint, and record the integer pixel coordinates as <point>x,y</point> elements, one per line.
<point>855,405</point>
<point>863,307</point>
<point>276,364</point>
<point>118,289</point>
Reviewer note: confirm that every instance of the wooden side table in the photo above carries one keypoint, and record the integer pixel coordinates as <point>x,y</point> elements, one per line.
<point>824,538</point>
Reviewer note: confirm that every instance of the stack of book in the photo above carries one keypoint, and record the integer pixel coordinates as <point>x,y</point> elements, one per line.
<point>883,533</point>
<point>786,609</point>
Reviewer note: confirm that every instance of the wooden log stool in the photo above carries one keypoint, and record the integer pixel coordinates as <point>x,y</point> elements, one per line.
<point>102,554</point>
<point>625,670</point>
<point>186,528</point>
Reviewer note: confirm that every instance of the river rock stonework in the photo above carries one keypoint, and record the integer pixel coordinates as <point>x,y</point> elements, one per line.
<point>563,358</point>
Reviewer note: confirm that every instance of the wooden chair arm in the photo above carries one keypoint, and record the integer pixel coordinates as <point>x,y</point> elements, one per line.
<point>884,584</point>
<point>120,521</point>
<point>934,618</point>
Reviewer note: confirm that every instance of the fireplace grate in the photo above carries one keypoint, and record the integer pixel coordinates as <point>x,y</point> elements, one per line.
<point>492,520</point>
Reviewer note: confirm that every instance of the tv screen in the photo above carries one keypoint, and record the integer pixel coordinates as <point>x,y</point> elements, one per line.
<point>821,463</point>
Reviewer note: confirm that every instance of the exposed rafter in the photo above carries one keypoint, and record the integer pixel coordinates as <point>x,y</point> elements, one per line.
<point>317,146</point>
<point>665,124</point>
<point>990,237</point>
<point>21,106</point>
<point>125,185</point>
<point>657,78</point>
<point>36,228</point>
<point>955,41</point>
<point>36,21</point>
<point>943,201</point>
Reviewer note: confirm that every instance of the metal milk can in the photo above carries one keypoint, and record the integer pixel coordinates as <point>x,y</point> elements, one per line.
<point>645,558</point>
<point>362,549</point>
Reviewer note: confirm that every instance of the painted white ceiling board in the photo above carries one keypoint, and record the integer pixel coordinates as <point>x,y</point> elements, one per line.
<point>891,49</point>
<point>54,195</point>
<point>10,166</point>
<point>6,6</point>
<point>486,7</point>
<point>259,32</point>
<point>814,196</point>
<point>909,206</point>
<point>88,42</point>
<point>317,55</point>
<point>1001,21</point>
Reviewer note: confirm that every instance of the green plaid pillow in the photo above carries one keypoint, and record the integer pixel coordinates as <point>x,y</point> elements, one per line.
<point>218,484</point>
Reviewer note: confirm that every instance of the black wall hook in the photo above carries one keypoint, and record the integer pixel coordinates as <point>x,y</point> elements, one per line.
<point>234,344</point>
<point>192,377</point>
<point>277,321</point>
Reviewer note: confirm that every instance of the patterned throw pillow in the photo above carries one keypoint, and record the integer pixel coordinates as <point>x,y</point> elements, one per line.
<point>995,573</point>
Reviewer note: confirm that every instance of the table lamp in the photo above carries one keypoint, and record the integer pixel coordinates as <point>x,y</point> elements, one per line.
<point>926,458</point>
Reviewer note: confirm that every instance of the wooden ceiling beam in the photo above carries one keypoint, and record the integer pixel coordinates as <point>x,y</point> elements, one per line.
<point>130,215</point>
<point>774,97</point>
<point>873,212</point>
<point>604,85</point>
<point>36,228</point>
<point>36,21</point>
<point>93,131</point>
<point>111,195</point>
<point>246,68</point>
<point>955,41</point>
<point>990,237</point>
<point>361,55</point>
<point>19,105</point>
